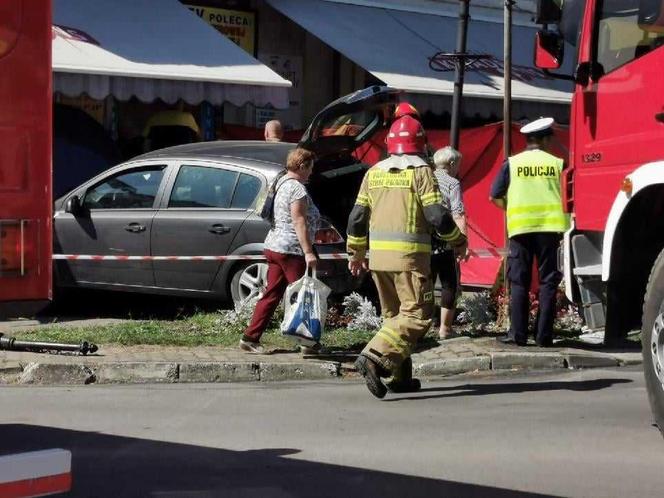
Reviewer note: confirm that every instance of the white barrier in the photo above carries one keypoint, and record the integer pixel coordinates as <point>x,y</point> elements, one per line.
<point>36,473</point>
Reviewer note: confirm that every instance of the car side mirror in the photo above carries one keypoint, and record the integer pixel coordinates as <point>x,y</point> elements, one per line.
<point>73,205</point>
<point>549,50</point>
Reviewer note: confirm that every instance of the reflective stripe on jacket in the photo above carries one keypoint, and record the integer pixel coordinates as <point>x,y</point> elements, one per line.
<point>394,215</point>
<point>534,202</point>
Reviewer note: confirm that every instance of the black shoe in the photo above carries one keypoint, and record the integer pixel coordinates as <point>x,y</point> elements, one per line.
<point>401,386</point>
<point>371,373</point>
<point>544,343</point>
<point>508,339</point>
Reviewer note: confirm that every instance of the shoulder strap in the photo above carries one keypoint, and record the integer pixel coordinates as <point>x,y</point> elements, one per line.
<point>279,185</point>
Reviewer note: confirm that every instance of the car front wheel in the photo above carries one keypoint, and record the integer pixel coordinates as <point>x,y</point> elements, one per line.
<point>652,339</point>
<point>248,282</point>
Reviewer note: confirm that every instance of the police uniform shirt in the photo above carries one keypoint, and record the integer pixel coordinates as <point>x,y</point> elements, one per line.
<point>502,181</point>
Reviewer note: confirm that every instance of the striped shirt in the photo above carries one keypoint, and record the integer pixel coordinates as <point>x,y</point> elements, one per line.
<point>450,189</point>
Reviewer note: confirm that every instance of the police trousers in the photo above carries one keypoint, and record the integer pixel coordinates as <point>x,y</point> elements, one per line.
<point>543,246</point>
<point>406,299</point>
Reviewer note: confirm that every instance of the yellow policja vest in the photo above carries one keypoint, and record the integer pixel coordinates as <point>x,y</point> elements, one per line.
<point>534,202</point>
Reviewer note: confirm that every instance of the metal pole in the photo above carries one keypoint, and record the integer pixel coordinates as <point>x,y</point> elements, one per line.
<point>462,32</point>
<point>507,122</point>
<point>507,58</point>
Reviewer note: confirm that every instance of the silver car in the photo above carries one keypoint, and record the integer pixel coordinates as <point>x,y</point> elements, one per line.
<point>168,206</point>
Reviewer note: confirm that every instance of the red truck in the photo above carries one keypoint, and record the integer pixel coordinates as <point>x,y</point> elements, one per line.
<point>25,155</point>
<point>614,183</point>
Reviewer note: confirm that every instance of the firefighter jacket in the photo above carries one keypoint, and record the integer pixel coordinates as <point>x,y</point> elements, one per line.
<point>396,211</point>
<point>533,196</point>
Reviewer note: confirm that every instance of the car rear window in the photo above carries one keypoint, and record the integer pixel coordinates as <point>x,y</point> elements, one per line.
<point>202,187</point>
<point>246,191</point>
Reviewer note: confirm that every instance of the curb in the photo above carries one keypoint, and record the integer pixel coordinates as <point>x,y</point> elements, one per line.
<point>315,370</point>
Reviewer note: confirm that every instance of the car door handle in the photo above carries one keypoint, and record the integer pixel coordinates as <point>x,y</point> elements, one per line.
<point>220,229</point>
<point>135,228</point>
<point>660,117</point>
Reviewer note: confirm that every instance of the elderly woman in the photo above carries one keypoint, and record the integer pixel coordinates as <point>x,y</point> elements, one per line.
<point>289,243</point>
<point>444,260</point>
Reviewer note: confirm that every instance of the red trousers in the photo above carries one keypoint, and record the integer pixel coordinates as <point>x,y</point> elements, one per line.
<point>282,269</point>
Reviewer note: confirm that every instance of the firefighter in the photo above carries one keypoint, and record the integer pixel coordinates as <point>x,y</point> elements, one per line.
<point>405,109</point>
<point>528,187</point>
<point>397,208</point>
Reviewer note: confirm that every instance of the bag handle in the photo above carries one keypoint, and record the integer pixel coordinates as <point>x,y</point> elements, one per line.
<point>313,272</point>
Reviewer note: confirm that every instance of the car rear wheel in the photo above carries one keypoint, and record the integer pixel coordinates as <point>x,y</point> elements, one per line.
<point>652,339</point>
<point>248,282</point>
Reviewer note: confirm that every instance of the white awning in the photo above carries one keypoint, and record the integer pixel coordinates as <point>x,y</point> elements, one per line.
<point>396,46</point>
<point>154,49</point>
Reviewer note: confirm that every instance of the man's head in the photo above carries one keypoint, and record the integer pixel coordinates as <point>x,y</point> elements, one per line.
<point>539,132</point>
<point>273,131</point>
<point>448,159</point>
<point>406,136</point>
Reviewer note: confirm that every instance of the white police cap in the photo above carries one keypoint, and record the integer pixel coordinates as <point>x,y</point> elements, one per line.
<point>540,127</point>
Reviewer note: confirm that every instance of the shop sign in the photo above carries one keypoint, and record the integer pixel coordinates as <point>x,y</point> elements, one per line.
<point>239,26</point>
<point>263,115</point>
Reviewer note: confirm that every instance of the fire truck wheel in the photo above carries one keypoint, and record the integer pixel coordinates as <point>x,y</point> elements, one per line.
<point>652,339</point>
<point>248,282</point>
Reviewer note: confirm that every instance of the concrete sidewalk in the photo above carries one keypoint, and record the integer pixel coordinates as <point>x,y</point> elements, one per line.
<point>156,364</point>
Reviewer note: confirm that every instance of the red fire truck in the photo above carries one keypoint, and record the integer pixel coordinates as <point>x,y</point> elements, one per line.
<point>614,182</point>
<point>25,155</point>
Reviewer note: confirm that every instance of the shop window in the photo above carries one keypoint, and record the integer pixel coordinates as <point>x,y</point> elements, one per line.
<point>126,190</point>
<point>202,187</point>
<point>623,35</point>
<point>246,191</point>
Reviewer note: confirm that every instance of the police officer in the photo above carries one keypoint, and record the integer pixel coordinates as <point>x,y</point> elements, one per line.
<point>396,210</point>
<point>528,187</point>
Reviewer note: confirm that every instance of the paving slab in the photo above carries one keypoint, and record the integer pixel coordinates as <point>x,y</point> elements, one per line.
<point>526,360</point>
<point>270,372</point>
<point>451,366</point>
<point>580,360</point>
<point>219,372</point>
<point>136,373</point>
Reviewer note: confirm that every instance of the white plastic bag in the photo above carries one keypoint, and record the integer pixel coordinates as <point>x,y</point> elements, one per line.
<point>305,306</point>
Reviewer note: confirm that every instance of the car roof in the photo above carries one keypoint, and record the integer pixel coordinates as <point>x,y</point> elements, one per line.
<point>268,157</point>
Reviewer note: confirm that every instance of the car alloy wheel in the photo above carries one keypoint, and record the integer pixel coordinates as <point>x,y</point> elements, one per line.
<point>249,283</point>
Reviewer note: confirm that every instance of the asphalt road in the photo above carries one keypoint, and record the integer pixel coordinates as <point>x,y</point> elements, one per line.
<point>584,433</point>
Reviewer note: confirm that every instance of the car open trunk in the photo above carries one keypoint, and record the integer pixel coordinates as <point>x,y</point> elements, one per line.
<point>334,134</point>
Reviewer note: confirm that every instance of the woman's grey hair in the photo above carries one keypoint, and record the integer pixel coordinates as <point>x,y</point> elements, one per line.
<point>443,158</point>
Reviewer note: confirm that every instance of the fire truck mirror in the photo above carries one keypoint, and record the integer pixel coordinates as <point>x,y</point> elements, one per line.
<point>549,50</point>
<point>548,11</point>
<point>73,205</point>
<point>651,17</point>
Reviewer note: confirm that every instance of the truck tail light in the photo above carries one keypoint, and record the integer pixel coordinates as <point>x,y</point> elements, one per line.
<point>568,190</point>
<point>12,247</point>
<point>327,234</point>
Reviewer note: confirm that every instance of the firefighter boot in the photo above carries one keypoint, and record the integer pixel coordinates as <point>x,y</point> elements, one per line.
<point>404,382</point>
<point>371,373</point>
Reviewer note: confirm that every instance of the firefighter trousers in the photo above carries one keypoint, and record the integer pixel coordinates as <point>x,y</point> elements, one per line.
<point>406,299</point>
